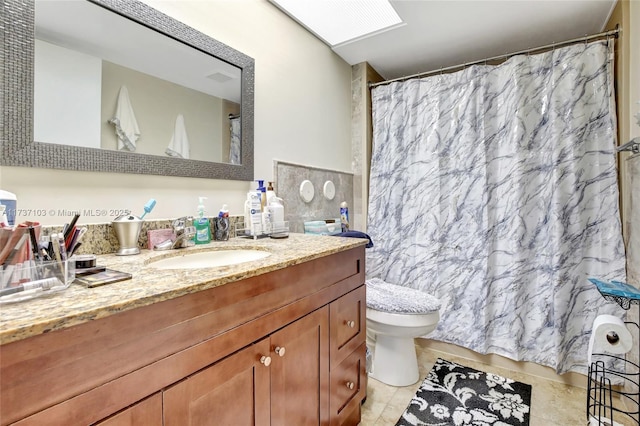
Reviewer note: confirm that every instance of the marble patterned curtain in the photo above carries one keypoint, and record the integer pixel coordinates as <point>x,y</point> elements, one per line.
<point>495,189</point>
<point>234,149</point>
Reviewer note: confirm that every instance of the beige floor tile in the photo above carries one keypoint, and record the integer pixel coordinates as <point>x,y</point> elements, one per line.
<point>383,422</point>
<point>371,410</point>
<point>378,396</point>
<point>559,403</point>
<point>552,403</point>
<point>379,392</point>
<point>401,399</point>
<point>539,421</point>
<point>392,413</point>
<point>371,415</point>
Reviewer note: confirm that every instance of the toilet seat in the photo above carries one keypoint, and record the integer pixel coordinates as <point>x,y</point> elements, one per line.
<point>396,299</point>
<point>403,320</point>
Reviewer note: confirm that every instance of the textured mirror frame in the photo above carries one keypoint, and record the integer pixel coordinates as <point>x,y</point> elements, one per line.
<point>17,145</point>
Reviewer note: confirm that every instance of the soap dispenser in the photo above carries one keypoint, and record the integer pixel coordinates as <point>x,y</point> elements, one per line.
<point>203,232</point>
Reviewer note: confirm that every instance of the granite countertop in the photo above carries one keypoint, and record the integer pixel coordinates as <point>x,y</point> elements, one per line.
<point>78,304</point>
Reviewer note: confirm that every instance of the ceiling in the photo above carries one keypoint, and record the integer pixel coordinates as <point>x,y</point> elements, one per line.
<point>443,33</point>
<point>436,34</point>
<point>83,27</point>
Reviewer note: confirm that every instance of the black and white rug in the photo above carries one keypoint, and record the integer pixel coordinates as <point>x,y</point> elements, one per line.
<point>453,394</point>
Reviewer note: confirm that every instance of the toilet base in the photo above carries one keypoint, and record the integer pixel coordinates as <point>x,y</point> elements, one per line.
<point>394,360</point>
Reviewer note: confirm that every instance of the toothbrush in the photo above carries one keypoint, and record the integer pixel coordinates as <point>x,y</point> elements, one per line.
<point>148,207</point>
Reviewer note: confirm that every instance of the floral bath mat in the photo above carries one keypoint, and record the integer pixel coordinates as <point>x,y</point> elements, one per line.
<point>453,394</point>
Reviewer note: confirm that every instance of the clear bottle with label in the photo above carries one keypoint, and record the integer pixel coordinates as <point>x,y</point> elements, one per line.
<point>344,216</point>
<point>203,231</point>
<point>262,193</point>
<point>221,224</point>
<point>276,209</point>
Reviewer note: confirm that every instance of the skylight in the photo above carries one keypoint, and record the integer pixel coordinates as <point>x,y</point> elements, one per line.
<point>340,21</point>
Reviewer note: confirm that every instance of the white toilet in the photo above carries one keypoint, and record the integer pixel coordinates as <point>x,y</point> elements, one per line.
<point>395,316</point>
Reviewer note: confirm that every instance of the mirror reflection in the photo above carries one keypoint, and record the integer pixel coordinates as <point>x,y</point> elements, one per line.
<point>104,81</point>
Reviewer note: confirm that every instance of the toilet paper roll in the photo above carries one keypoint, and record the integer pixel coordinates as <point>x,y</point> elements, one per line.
<point>609,334</point>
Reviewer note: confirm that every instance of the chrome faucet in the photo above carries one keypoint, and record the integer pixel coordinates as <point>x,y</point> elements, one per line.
<point>185,231</point>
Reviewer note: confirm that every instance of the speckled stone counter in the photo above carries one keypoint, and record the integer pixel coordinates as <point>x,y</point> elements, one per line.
<point>78,304</point>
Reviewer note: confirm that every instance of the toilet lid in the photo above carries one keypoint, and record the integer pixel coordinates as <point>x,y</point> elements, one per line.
<point>386,297</point>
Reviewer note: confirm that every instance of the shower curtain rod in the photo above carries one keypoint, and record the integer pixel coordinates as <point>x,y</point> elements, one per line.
<point>611,33</point>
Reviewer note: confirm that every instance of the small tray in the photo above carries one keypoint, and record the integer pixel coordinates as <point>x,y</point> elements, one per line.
<point>35,279</point>
<point>108,276</point>
<point>621,293</point>
<point>278,230</point>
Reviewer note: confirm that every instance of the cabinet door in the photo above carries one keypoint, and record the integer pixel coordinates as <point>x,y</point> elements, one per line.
<point>233,391</point>
<point>300,371</point>
<point>147,412</point>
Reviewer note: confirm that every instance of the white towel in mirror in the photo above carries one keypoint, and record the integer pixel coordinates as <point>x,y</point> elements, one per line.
<point>179,145</point>
<point>124,119</point>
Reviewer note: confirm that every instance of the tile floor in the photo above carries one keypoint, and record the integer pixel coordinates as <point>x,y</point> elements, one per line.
<point>552,403</point>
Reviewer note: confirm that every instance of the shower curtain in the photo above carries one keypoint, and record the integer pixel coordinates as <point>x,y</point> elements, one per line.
<point>234,148</point>
<point>495,189</point>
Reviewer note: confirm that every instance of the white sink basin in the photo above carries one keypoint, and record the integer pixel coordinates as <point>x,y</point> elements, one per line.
<point>209,259</point>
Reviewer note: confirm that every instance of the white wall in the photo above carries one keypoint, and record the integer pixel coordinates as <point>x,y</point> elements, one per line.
<point>302,115</point>
<point>156,104</point>
<point>67,108</point>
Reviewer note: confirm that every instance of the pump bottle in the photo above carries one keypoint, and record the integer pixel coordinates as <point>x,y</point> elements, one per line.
<point>270,193</point>
<point>203,231</point>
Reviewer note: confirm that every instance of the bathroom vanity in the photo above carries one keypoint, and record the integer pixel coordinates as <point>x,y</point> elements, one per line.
<point>277,341</point>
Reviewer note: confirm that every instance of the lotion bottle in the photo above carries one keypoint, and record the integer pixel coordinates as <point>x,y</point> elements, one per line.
<point>276,209</point>
<point>255,213</point>
<point>270,193</point>
<point>203,232</point>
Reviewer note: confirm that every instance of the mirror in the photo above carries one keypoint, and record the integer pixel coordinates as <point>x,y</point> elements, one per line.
<point>159,98</point>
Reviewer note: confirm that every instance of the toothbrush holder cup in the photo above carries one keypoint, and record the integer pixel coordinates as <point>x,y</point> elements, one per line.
<point>127,228</point>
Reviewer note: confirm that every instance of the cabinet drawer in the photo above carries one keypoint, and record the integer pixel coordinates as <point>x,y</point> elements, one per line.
<point>348,385</point>
<point>347,324</point>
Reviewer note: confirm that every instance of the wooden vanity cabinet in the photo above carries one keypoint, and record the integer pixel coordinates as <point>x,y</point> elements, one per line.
<point>281,380</point>
<point>201,358</point>
<point>234,391</point>
<point>300,371</point>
